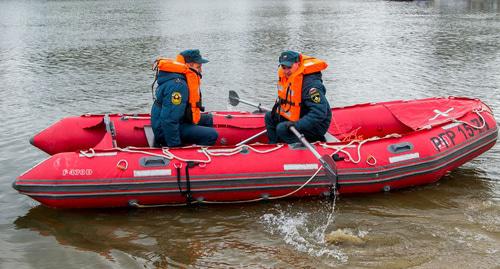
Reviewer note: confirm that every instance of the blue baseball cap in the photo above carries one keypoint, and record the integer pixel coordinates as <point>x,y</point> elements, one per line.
<point>193,56</point>
<point>288,58</point>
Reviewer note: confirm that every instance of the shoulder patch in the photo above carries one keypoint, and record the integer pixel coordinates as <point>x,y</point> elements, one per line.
<point>176,98</point>
<point>313,91</point>
<point>315,96</point>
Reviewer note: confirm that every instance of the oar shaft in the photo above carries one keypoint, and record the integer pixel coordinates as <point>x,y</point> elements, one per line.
<point>251,138</point>
<point>234,99</point>
<point>305,142</point>
<point>252,104</point>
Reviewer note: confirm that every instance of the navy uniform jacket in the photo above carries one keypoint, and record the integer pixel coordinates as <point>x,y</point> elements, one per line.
<point>168,112</point>
<point>315,112</point>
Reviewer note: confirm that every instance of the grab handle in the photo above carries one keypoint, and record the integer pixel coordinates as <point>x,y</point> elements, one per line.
<point>400,147</point>
<point>154,161</point>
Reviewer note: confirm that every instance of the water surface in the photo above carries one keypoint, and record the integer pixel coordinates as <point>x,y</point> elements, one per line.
<point>63,58</point>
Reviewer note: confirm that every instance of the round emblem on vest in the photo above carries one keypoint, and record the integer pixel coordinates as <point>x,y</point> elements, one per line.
<point>176,98</point>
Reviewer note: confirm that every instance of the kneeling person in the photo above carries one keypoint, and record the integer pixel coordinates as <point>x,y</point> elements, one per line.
<point>301,100</point>
<point>176,116</point>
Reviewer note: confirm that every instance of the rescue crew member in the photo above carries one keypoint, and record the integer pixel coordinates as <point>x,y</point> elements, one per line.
<point>176,117</point>
<point>301,100</point>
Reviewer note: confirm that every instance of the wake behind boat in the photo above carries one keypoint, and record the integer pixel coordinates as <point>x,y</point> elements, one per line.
<point>107,161</point>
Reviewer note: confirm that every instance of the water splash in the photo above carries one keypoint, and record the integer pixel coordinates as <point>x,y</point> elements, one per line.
<point>295,227</point>
<point>321,230</point>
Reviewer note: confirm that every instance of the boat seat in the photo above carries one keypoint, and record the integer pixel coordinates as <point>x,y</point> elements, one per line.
<point>331,138</point>
<point>150,136</point>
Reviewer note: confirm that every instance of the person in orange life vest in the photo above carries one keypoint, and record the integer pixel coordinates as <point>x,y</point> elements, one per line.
<point>301,100</point>
<point>176,117</point>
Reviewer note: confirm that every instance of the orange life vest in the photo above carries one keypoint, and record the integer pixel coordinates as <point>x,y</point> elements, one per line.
<point>290,89</point>
<point>193,82</point>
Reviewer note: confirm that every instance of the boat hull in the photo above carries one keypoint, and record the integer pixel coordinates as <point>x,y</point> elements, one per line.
<point>229,174</point>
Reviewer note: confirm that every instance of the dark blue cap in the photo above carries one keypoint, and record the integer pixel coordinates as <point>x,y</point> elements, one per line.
<point>193,56</point>
<point>288,58</point>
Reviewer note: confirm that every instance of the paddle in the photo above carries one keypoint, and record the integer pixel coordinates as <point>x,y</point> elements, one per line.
<point>326,160</point>
<point>234,100</point>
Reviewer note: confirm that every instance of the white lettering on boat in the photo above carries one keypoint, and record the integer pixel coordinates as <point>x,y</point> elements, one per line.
<point>300,166</point>
<point>152,173</point>
<point>77,172</point>
<point>405,157</point>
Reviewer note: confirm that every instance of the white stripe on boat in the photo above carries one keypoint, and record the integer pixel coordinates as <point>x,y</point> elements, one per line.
<point>152,173</point>
<point>99,154</point>
<point>298,166</point>
<point>451,125</point>
<point>405,157</point>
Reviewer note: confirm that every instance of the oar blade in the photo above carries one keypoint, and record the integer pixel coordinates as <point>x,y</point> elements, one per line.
<point>234,99</point>
<point>330,168</point>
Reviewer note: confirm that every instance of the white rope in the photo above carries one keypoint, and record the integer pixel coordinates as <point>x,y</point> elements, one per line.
<point>166,153</point>
<point>171,156</point>
<point>238,149</point>
<point>278,146</point>
<point>86,154</point>
<point>223,152</point>
<point>360,143</point>
<point>120,166</point>
<point>136,150</point>
<point>478,112</point>
<point>214,152</point>
<point>238,201</point>
<point>272,197</point>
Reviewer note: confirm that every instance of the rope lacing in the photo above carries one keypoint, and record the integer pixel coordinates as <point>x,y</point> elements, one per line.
<point>208,153</point>
<point>360,143</point>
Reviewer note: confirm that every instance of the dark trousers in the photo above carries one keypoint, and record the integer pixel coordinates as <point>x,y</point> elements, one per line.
<point>277,131</point>
<point>199,134</point>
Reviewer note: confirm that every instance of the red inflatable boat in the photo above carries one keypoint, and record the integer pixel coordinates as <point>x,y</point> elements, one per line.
<point>105,160</point>
<point>87,131</point>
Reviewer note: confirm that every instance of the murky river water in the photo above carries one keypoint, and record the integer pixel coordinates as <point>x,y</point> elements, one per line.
<point>62,58</point>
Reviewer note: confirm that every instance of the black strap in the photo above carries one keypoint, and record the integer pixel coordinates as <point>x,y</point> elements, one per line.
<point>187,193</point>
<point>156,70</point>
<point>196,72</point>
<point>179,179</point>
<point>286,102</point>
